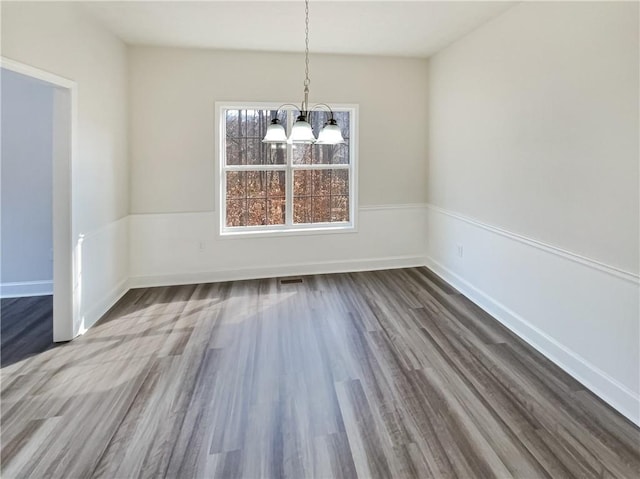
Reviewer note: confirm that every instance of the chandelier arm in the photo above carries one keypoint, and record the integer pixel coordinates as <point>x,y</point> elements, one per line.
<point>318,105</point>
<point>287,104</point>
<point>282,106</point>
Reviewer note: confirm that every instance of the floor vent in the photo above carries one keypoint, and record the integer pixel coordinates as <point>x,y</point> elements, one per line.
<point>290,280</point>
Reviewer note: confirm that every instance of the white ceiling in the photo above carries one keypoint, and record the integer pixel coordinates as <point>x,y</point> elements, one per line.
<point>402,28</point>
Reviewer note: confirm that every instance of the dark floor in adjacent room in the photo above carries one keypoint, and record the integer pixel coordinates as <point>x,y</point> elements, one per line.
<point>385,374</point>
<point>26,327</point>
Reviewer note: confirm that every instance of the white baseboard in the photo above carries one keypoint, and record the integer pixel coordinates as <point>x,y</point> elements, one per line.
<point>98,310</point>
<point>600,383</point>
<point>26,288</point>
<point>277,271</point>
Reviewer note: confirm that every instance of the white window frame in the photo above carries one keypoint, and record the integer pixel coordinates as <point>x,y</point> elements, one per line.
<point>289,228</point>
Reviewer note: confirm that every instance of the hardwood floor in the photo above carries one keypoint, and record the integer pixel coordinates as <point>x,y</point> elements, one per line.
<point>386,374</point>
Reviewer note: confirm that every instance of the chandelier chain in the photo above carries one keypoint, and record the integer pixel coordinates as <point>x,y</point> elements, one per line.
<point>302,131</point>
<point>306,49</point>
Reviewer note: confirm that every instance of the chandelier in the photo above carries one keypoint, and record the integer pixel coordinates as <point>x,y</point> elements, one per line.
<point>302,132</point>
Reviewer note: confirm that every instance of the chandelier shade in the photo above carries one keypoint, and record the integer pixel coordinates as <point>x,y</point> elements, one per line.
<point>275,133</point>
<point>302,131</point>
<point>330,134</point>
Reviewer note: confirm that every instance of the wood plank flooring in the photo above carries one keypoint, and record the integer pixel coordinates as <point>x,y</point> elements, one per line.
<point>387,374</point>
<point>26,327</point>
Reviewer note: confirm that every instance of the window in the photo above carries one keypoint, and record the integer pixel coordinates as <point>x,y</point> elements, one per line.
<point>283,187</point>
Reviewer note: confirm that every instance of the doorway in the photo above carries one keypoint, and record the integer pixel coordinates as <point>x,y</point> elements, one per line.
<point>37,281</point>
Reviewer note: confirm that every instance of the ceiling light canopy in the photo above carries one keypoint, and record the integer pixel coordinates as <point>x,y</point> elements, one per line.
<point>301,131</point>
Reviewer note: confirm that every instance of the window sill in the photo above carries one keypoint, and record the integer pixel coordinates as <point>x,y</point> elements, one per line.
<point>287,232</point>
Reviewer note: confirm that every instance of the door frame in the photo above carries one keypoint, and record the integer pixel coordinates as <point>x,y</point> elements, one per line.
<point>66,284</point>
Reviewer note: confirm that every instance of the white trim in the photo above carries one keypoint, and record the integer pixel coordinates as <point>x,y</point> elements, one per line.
<point>399,206</point>
<point>283,230</point>
<point>34,72</point>
<point>596,380</point>
<point>276,167</point>
<point>65,314</point>
<point>283,167</point>
<point>328,267</point>
<point>322,166</point>
<point>23,289</point>
<point>104,305</point>
<point>584,260</point>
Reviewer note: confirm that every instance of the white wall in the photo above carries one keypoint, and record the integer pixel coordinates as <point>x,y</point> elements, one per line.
<point>533,169</point>
<point>172,98</point>
<point>27,184</point>
<point>60,38</point>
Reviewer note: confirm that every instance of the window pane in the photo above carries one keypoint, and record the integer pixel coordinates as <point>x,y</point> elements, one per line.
<point>329,154</point>
<point>302,183</point>
<point>236,184</point>
<point>258,153</point>
<point>302,209</point>
<point>338,154</point>
<point>245,130</point>
<point>321,182</point>
<point>321,154</point>
<point>321,209</point>
<point>257,123</point>
<point>257,212</point>
<point>256,184</point>
<point>274,153</point>
<point>235,125</point>
<point>276,183</point>
<point>256,198</point>
<point>276,211</point>
<point>340,182</point>
<point>340,208</point>
<point>235,151</point>
<point>302,153</point>
<point>320,196</point>
<point>255,152</point>
<point>236,213</point>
